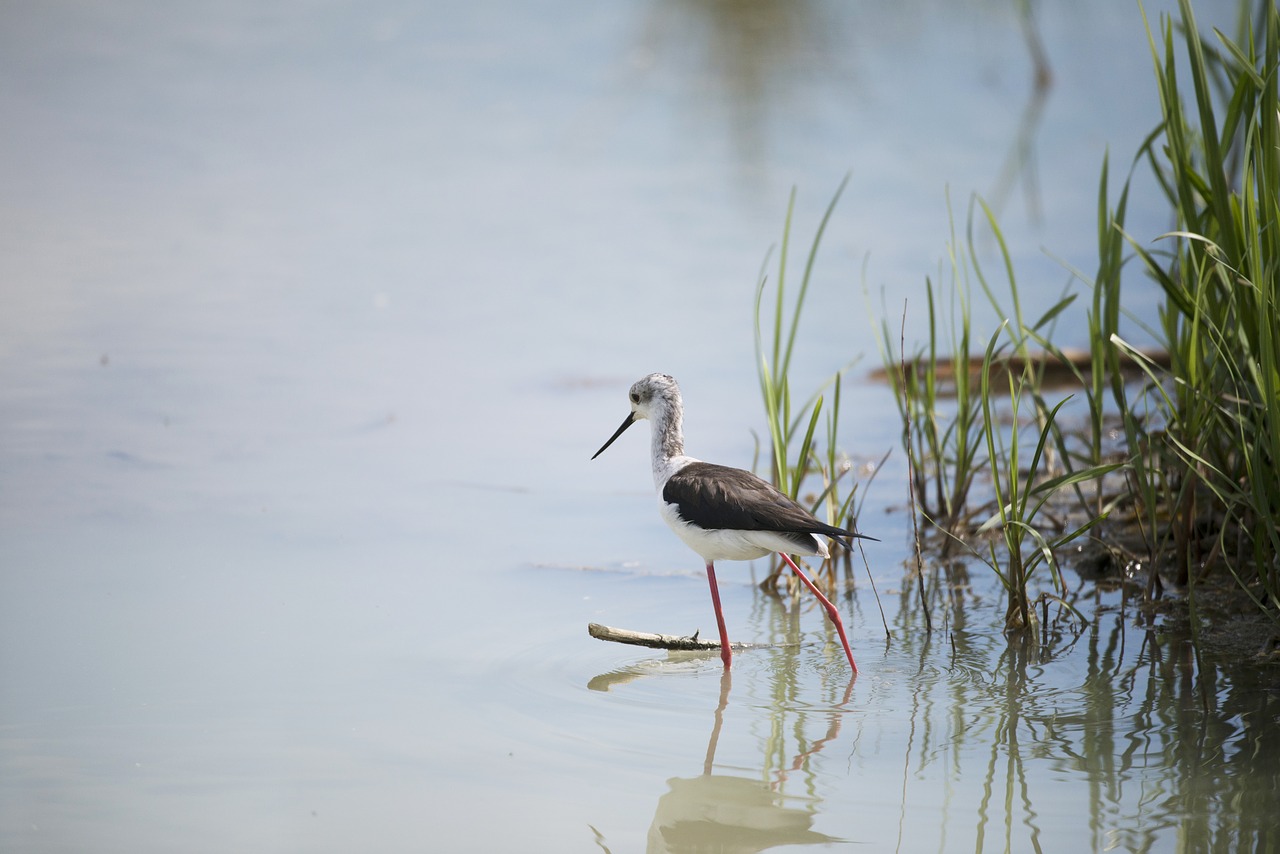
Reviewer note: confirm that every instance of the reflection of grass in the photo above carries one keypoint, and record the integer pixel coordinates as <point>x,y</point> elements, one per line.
<point>1119,719</point>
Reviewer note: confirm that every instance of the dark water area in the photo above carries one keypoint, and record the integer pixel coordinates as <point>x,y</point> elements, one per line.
<point>310,319</point>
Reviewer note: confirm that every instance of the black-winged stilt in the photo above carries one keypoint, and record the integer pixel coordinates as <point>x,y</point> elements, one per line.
<point>723,513</point>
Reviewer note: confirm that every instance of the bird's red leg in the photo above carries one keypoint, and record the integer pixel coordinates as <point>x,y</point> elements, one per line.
<point>726,654</point>
<point>832,613</point>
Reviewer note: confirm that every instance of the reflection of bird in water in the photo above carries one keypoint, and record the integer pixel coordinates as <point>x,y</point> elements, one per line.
<point>723,513</point>
<point>726,814</point>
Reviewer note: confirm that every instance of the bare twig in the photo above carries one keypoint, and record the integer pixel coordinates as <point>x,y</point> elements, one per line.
<point>609,633</point>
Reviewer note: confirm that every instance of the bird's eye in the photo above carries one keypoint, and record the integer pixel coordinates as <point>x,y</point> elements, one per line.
<point>635,398</point>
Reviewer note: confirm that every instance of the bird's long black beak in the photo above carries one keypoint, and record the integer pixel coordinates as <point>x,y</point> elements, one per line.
<point>631,419</point>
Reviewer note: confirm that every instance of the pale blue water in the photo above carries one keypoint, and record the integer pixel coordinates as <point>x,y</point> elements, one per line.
<point>310,318</point>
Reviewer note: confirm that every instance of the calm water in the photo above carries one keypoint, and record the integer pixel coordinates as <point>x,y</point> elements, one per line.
<point>311,318</point>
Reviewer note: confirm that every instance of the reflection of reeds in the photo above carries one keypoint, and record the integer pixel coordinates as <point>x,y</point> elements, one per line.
<point>1020,160</point>
<point>993,736</point>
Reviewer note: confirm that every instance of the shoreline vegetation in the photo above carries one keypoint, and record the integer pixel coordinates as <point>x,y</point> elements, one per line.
<point>1164,468</point>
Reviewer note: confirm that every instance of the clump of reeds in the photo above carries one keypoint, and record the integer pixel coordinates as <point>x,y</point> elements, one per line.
<point>796,454</point>
<point>1201,436</point>
<point>958,433</point>
<point>1203,432</point>
<point>1218,162</point>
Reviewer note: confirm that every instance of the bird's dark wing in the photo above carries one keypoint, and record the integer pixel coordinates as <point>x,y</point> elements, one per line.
<point>719,497</point>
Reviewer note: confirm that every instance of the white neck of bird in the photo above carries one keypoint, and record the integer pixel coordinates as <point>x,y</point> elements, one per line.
<point>668,436</point>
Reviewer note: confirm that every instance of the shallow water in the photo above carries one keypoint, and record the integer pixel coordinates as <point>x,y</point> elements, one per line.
<point>237,706</point>
<point>311,318</point>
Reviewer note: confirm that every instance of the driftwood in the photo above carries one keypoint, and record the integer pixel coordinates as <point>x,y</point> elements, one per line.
<point>1059,372</point>
<point>691,642</point>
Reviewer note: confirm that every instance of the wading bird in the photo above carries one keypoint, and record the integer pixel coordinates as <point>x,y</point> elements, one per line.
<point>723,513</point>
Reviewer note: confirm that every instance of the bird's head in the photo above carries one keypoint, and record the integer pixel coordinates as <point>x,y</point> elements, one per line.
<point>656,396</point>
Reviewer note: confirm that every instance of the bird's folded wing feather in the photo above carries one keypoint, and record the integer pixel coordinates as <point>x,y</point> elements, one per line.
<point>720,497</point>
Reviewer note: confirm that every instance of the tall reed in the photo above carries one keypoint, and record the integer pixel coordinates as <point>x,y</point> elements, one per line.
<point>937,400</point>
<point>971,440</point>
<point>1218,162</point>
<point>797,455</point>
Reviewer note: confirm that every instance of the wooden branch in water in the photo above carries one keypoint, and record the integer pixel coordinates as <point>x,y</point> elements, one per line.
<point>1057,373</point>
<point>654,641</point>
